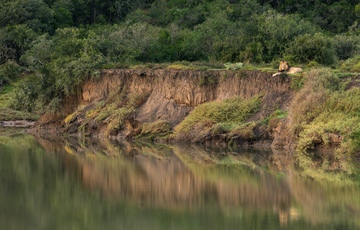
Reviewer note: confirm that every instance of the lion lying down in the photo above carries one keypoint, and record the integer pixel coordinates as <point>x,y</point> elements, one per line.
<point>284,67</point>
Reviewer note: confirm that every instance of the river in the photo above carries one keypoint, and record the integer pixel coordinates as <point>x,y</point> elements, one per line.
<point>92,184</point>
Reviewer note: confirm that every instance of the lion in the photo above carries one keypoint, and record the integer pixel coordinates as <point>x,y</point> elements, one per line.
<point>284,67</point>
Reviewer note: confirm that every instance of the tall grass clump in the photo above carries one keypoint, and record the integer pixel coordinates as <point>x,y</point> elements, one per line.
<point>322,110</point>
<point>207,117</point>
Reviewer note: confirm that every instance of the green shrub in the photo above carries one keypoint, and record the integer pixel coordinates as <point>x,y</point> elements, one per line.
<point>306,104</point>
<point>253,53</point>
<point>245,131</point>
<point>356,68</point>
<point>322,108</point>
<point>319,79</point>
<point>157,129</point>
<point>350,64</point>
<point>346,46</point>
<point>317,47</point>
<point>9,72</point>
<point>208,79</point>
<point>355,137</point>
<point>27,95</point>
<point>297,81</point>
<point>229,113</point>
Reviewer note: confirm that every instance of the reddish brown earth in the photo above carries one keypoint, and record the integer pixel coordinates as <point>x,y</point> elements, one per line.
<point>170,95</point>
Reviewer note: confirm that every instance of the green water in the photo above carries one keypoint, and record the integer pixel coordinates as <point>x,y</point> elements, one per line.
<point>102,185</point>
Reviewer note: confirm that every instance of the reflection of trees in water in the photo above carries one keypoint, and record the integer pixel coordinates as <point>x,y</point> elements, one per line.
<point>326,202</point>
<point>34,181</point>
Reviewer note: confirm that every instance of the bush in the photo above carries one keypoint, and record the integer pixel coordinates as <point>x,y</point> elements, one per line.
<point>26,97</point>
<point>155,129</point>
<point>321,109</point>
<point>351,64</point>
<point>230,113</point>
<point>317,47</point>
<point>346,46</point>
<point>277,31</point>
<point>306,104</point>
<point>9,71</point>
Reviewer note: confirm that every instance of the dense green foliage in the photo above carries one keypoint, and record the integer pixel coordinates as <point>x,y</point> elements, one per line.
<point>59,43</point>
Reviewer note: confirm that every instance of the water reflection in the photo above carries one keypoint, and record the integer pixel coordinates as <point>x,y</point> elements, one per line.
<point>99,183</point>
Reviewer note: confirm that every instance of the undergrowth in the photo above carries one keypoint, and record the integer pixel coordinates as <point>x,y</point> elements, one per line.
<point>111,113</point>
<point>6,112</point>
<point>322,108</point>
<point>217,117</point>
<point>154,130</point>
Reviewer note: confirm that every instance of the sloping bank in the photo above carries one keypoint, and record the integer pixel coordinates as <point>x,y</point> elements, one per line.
<point>230,107</point>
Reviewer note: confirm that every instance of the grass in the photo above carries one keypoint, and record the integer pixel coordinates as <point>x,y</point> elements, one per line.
<point>157,127</point>
<point>297,81</point>
<point>155,130</point>
<point>206,117</point>
<point>6,113</point>
<point>245,130</point>
<point>186,65</point>
<point>111,113</point>
<point>181,65</point>
<point>351,65</point>
<point>6,95</point>
<point>208,79</point>
<point>321,108</point>
<point>340,115</point>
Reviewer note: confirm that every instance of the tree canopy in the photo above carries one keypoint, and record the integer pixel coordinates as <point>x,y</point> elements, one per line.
<point>62,42</point>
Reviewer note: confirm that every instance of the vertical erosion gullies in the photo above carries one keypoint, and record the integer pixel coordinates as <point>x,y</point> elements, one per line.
<point>186,87</point>
<point>122,100</point>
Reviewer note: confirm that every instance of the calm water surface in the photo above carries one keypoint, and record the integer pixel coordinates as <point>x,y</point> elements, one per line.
<point>102,185</point>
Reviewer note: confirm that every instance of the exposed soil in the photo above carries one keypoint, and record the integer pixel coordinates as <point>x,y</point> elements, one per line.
<point>168,95</point>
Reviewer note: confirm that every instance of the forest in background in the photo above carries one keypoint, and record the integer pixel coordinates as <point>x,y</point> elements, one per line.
<point>57,44</point>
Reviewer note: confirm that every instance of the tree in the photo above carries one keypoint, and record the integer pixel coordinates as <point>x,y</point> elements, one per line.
<point>14,41</point>
<point>35,14</point>
<point>315,47</point>
<point>277,31</point>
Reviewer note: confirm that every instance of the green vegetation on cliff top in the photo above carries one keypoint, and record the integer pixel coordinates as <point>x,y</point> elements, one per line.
<point>58,44</point>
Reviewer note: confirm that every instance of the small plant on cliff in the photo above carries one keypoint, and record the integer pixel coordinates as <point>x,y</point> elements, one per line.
<point>208,79</point>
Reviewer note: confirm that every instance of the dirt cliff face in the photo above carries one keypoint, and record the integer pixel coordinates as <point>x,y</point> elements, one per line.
<point>166,95</point>
<point>172,94</point>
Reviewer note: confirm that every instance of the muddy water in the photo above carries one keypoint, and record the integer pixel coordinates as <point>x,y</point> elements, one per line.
<point>82,184</point>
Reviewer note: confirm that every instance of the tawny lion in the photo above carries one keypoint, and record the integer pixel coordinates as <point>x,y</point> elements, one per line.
<point>284,67</point>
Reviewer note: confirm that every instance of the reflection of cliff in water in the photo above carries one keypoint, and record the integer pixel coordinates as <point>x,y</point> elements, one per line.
<point>191,177</point>
<point>178,177</point>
